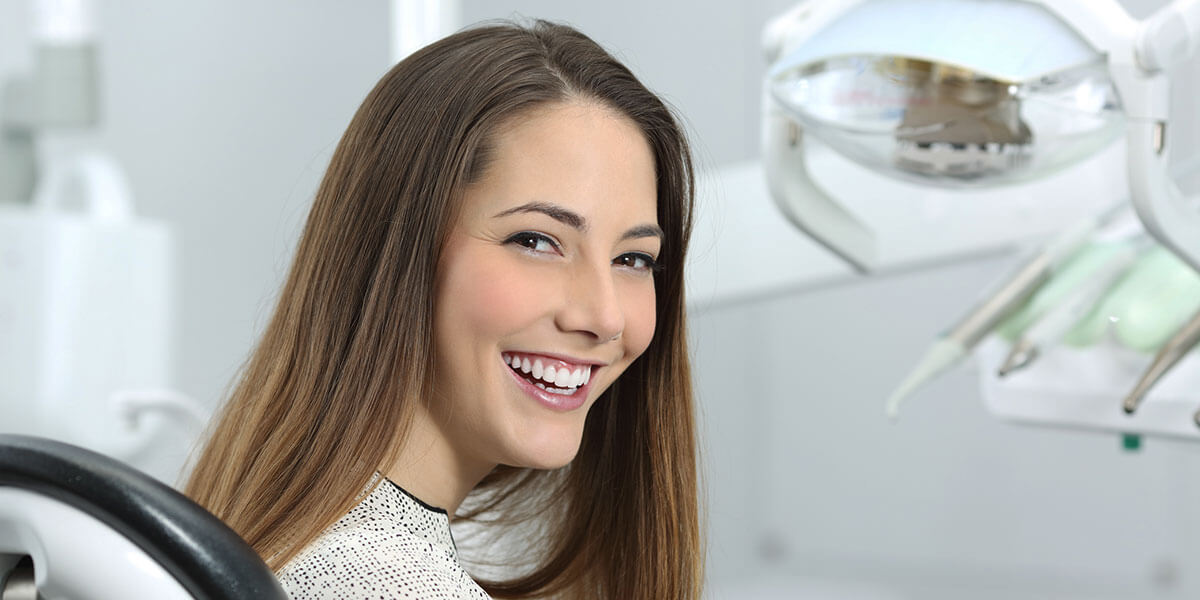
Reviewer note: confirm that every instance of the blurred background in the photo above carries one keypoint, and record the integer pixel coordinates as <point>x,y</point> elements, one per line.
<point>216,120</point>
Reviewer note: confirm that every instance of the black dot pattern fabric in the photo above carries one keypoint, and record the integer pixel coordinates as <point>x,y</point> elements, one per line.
<point>389,546</point>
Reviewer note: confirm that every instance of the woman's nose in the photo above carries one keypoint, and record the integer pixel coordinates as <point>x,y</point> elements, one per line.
<point>592,305</point>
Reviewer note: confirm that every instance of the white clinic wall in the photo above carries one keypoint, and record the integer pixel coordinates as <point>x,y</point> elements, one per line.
<point>225,112</point>
<point>224,115</point>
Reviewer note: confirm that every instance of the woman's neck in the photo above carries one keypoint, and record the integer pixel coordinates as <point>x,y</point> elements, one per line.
<point>434,471</point>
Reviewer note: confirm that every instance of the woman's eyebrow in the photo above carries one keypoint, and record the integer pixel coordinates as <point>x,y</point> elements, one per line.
<point>644,231</point>
<point>554,211</point>
<point>576,221</point>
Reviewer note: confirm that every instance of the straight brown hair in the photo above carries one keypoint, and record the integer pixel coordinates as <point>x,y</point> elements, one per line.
<point>323,402</point>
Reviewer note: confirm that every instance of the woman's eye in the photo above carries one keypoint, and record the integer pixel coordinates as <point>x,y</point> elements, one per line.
<point>535,242</point>
<point>638,261</point>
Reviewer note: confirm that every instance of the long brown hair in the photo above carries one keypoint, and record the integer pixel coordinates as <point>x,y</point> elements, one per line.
<point>324,400</point>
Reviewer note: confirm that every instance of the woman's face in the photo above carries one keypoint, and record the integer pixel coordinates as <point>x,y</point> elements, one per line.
<point>545,290</point>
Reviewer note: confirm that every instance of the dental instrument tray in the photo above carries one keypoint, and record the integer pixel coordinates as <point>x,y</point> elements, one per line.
<point>1084,388</point>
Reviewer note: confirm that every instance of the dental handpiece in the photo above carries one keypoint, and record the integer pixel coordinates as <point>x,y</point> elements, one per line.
<point>1170,354</point>
<point>949,349</point>
<point>1010,295</point>
<point>1052,327</point>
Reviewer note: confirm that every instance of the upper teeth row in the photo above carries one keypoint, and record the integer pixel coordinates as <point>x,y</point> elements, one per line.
<point>562,377</point>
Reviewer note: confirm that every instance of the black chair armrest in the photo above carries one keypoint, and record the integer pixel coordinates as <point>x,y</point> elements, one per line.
<point>208,558</point>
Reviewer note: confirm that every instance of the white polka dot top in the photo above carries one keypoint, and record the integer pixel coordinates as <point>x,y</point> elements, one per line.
<point>389,546</point>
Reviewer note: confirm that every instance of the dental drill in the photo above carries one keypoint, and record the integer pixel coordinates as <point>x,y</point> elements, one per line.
<point>1170,354</point>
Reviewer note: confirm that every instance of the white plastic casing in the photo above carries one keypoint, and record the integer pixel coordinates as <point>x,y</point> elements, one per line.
<point>76,555</point>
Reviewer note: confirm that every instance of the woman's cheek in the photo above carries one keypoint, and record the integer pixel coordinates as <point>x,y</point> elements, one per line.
<point>640,320</point>
<point>504,294</point>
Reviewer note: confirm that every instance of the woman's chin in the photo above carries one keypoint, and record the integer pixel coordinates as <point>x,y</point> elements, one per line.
<point>553,454</point>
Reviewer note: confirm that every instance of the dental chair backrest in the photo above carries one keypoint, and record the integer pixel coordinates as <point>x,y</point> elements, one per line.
<point>95,528</point>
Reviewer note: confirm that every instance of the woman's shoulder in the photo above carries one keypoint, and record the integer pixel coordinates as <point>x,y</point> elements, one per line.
<point>353,564</point>
<point>372,552</point>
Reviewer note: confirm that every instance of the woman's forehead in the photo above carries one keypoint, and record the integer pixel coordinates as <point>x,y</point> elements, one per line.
<point>583,156</point>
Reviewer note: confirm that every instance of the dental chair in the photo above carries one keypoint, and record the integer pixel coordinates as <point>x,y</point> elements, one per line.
<point>76,524</point>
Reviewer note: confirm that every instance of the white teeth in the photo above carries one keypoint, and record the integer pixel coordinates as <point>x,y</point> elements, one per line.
<point>541,385</point>
<point>562,380</point>
<point>516,363</point>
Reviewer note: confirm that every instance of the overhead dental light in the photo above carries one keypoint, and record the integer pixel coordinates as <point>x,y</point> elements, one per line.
<point>965,94</point>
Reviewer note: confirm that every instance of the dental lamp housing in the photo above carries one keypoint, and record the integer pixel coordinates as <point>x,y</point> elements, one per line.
<point>1120,64</point>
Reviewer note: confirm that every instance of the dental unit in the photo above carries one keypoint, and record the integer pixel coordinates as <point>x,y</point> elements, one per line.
<point>916,90</point>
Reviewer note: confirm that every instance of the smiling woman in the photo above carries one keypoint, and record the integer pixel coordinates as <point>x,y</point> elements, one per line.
<point>564,285</point>
<point>485,314</point>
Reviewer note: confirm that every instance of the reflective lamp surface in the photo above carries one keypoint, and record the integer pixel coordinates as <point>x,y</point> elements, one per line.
<point>946,125</point>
